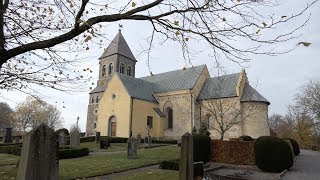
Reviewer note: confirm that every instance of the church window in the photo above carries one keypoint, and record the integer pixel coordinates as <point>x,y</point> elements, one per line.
<point>110,69</point>
<point>92,99</point>
<point>96,111</point>
<point>129,71</point>
<point>210,123</point>
<point>122,68</point>
<point>97,99</point>
<point>170,118</point>
<point>94,125</point>
<point>103,71</point>
<point>149,122</point>
<point>113,95</point>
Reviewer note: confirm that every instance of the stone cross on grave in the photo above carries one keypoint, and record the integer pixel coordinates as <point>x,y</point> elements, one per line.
<point>78,120</point>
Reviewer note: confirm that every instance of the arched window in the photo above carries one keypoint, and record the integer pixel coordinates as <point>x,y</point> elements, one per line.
<point>169,117</point>
<point>110,69</point>
<point>92,99</point>
<point>122,68</point>
<point>103,71</point>
<point>97,99</point>
<point>129,71</point>
<point>209,122</point>
<point>94,125</point>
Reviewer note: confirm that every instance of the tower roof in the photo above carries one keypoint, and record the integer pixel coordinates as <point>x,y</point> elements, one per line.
<point>118,46</point>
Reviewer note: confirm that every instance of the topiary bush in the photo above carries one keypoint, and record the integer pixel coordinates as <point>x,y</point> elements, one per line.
<point>272,154</point>
<point>201,148</point>
<point>171,165</point>
<point>67,152</point>
<point>295,145</point>
<point>246,138</point>
<point>87,139</point>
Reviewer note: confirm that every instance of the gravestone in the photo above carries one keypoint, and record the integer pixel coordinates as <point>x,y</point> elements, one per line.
<point>8,136</point>
<point>104,144</point>
<point>147,141</point>
<point>38,156</point>
<point>16,139</point>
<point>186,157</point>
<point>139,138</point>
<point>62,138</point>
<point>98,137</point>
<point>75,139</point>
<point>132,148</point>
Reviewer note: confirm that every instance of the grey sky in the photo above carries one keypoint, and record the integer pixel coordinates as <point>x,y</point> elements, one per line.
<point>277,78</point>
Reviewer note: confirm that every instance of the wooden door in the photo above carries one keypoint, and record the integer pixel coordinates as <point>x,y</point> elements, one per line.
<point>113,128</point>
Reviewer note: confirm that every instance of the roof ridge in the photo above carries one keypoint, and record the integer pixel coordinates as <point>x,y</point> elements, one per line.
<point>173,71</point>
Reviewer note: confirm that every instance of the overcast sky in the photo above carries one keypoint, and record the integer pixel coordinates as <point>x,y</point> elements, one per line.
<point>277,78</point>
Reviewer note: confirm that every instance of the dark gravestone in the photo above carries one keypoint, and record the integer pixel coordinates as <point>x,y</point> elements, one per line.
<point>198,169</point>
<point>38,156</point>
<point>16,139</point>
<point>98,137</point>
<point>8,136</point>
<point>186,158</point>
<point>104,144</point>
<point>139,138</point>
<point>132,148</point>
<point>147,141</point>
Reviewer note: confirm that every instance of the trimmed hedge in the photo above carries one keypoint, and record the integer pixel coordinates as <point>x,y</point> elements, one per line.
<point>272,154</point>
<point>11,144</point>
<point>232,152</point>
<point>115,139</point>
<point>171,165</point>
<point>246,138</point>
<point>87,139</point>
<point>157,141</point>
<point>295,145</point>
<point>201,148</point>
<point>13,149</point>
<point>67,153</point>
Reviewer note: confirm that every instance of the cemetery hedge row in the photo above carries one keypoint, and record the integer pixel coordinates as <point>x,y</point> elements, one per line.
<point>232,152</point>
<point>11,149</point>
<point>11,144</point>
<point>67,153</point>
<point>171,165</point>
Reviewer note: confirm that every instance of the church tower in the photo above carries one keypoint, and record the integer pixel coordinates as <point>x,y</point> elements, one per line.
<point>116,58</point>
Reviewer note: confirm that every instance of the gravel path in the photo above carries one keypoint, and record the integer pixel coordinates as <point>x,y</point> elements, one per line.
<point>306,167</point>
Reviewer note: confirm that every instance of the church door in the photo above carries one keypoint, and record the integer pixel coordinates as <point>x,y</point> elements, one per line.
<point>113,128</point>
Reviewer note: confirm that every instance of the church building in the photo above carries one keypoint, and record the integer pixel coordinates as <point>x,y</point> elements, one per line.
<point>170,103</point>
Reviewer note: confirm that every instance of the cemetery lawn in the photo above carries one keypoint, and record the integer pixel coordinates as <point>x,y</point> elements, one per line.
<point>90,166</point>
<point>158,174</point>
<point>114,146</point>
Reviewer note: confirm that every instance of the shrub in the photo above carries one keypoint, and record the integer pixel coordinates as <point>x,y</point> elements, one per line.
<point>11,144</point>
<point>171,165</point>
<point>87,139</point>
<point>203,130</point>
<point>62,129</point>
<point>295,145</point>
<point>156,141</point>
<point>13,149</point>
<point>194,131</point>
<point>115,139</point>
<point>201,148</point>
<point>272,154</point>
<point>66,153</point>
<point>246,138</point>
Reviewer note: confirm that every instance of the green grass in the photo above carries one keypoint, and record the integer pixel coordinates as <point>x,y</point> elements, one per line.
<point>104,164</point>
<point>157,174</point>
<point>114,146</point>
<point>6,159</point>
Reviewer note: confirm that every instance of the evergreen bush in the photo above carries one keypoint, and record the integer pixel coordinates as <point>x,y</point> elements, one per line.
<point>201,148</point>
<point>67,152</point>
<point>246,138</point>
<point>272,154</point>
<point>295,145</point>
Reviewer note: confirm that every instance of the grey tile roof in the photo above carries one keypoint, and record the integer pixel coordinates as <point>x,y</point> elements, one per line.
<point>98,89</point>
<point>219,87</point>
<point>250,94</point>
<point>143,88</point>
<point>138,88</point>
<point>175,80</point>
<point>118,46</point>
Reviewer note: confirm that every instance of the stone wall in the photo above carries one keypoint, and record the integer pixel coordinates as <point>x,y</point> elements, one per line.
<point>256,123</point>
<point>92,114</point>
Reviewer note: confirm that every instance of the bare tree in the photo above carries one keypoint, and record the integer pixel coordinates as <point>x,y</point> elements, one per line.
<point>37,36</point>
<point>226,112</point>
<point>6,117</point>
<point>32,112</point>
<point>280,126</point>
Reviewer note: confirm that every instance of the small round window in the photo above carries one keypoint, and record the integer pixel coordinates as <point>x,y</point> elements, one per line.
<point>113,95</point>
